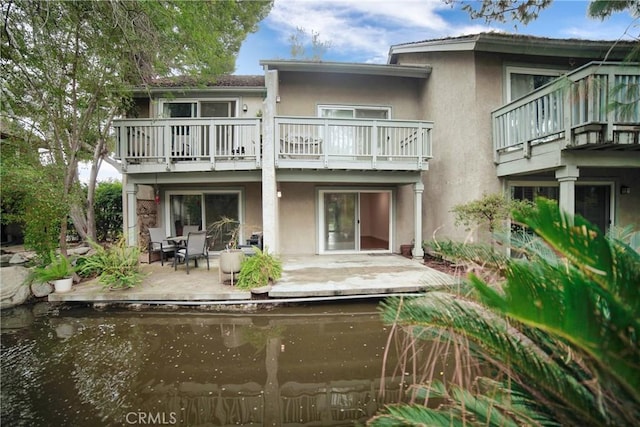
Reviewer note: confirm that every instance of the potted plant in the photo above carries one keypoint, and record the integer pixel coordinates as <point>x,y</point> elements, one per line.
<point>228,230</point>
<point>259,269</point>
<point>59,272</point>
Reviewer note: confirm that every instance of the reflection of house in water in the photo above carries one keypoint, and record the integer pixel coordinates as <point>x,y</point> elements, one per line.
<point>322,369</point>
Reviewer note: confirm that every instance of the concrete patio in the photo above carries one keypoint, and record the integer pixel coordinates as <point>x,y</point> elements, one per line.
<point>305,278</point>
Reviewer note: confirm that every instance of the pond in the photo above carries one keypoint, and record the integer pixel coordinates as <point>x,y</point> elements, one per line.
<point>322,364</point>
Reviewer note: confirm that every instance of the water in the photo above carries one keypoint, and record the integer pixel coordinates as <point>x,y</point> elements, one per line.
<point>305,365</point>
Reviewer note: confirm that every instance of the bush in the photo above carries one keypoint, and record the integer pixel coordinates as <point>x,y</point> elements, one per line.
<point>108,208</point>
<point>117,267</point>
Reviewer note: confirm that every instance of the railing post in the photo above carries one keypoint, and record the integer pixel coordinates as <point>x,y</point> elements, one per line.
<point>611,112</point>
<point>166,136</point>
<point>212,144</point>
<point>419,143</point>
<point>327,143</point>
<point>122,146</point>
<point>374,144</point>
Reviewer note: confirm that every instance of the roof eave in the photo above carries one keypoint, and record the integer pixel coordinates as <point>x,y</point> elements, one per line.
<point>348,68</point>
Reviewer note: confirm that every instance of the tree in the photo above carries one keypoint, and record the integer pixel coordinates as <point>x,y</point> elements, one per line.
<point>525,11</point>
<point>560,332</point>
<point>298,41</point>
<point>67,67</point>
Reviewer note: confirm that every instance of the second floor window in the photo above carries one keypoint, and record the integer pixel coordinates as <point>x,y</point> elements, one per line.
<point>521,81</point>
<point>182,109</point>
<point>341,111</point>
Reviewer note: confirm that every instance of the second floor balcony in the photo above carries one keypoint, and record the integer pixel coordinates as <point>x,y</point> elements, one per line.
<point>596,107</point>
<point>228,144</point>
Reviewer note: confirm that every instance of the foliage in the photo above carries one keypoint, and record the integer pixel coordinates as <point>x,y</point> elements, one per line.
<point>117,266</point>
<point>523,11</point>
<point>561,329</point>
<point>68,67</point>
<point>58,267</point>
<point>108,203</point>
<point>491,210</point>
<point>298,42</point>
<point>227,230</point>
<point>259,269</point>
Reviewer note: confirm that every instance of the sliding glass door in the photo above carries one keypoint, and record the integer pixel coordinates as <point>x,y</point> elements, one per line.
<point>354,221</point>
<point>189,209</point>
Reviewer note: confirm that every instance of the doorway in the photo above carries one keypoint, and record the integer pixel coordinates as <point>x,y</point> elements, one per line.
<point>355,221</point>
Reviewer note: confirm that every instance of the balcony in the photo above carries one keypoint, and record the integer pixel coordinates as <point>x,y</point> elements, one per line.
<point>233,144</point>
<point>355,144</point>
<point>596,107</point>
<point>187,145</point>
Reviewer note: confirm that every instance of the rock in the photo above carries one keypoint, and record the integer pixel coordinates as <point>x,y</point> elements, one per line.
<point>17,318</point>
<point>18,259</point>
<point>13,287</point>
<point>40,290</point>
<point>80,250</point>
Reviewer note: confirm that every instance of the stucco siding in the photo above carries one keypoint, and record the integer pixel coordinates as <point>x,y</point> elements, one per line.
<point>301,93</point>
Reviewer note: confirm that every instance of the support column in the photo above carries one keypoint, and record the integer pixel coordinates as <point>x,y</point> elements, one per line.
<point>131,216</point>
<point>418,189</point>
<point>269,184</point>
<point>567,177</point>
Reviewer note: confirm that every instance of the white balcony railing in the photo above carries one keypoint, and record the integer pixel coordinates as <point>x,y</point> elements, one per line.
<point>198,140</point>
<point>603,97</point>
<point>312,142</point>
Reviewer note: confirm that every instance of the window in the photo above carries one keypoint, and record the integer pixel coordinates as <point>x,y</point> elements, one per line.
<point>522,81</point>
<point>189,109</point>
<point>354,112</point>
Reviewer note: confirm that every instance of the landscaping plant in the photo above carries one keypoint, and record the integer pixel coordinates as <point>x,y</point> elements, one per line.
<point>559,334</point>
<point>117,266</point>
<point>58,267</point>
<point>257,270</point>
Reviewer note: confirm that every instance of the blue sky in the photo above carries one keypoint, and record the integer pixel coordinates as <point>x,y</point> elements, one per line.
<point>363,30</point>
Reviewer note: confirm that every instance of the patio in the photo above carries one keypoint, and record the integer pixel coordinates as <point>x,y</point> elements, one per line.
<point>305,278</point>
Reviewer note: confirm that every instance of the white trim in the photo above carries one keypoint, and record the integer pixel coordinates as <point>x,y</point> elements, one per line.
<point>320,231</point>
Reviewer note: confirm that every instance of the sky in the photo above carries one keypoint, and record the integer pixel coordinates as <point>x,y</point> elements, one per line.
<point>363,30</point>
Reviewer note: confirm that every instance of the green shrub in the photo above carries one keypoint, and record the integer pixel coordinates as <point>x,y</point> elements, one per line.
<point>259,269</point>
<point>59,267</point>
<point>117,267</point>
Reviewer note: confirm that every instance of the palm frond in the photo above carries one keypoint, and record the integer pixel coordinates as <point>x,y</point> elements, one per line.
<point>495,336</point>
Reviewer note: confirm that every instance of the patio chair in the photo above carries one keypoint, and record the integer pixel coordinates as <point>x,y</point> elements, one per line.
<point>189,229</point>
<point>159,243</point>
<point>195,248</point>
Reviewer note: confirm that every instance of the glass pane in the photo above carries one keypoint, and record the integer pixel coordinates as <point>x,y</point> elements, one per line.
<point>522,84</point>
<point>362,113</point>
<point>217,109</point>
<point>340,221</point>
<point>336,112</point>
<point>592,202</point>
<point>180,109</point>
<point>531,192</point>
<point>219,205</point>
<point>186,210</point>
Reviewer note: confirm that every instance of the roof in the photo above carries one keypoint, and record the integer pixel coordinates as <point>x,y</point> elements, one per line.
<point>519,44</point>
<point>421,71</point>
<point>223,83</point>
<point>226,80</point>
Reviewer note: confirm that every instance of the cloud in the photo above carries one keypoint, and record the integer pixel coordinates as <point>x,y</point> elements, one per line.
<point>363,30</point>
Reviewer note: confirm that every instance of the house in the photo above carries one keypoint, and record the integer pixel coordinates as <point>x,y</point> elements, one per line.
<point>325,157</point>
